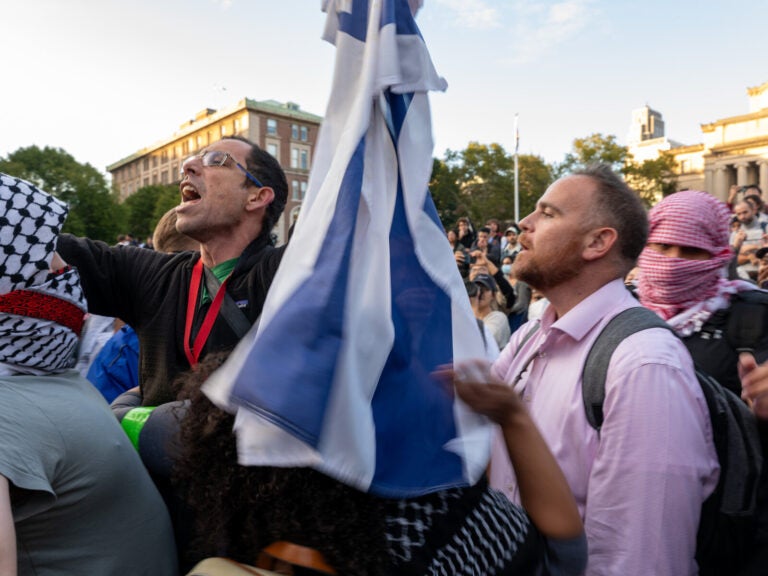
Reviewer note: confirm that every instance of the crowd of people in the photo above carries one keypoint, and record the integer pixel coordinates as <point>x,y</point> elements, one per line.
<point>153,486</point>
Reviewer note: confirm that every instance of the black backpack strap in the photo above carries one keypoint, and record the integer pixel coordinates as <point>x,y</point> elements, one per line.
<point>229,310</point>
<point>595,369</point>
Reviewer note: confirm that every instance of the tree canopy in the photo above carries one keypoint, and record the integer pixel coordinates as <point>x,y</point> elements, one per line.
<point>593,149</point>
<point>93,211</point>
<point>651,179</point>
<point>479,182</point>
<point>145,207</point>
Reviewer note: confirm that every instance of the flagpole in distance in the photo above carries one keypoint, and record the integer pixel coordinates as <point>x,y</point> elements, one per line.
<point>517,182</point>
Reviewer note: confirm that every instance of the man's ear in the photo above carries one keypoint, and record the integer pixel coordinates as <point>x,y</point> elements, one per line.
<point>259,198</point>
<point>598,243</point>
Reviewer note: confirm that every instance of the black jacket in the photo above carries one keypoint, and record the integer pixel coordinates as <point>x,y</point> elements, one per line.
<point>715,348</point>
<point>149,291</point>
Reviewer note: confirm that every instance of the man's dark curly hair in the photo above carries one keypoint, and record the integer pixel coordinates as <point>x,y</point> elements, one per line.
<point>241,509</point>
<point>268,171</point>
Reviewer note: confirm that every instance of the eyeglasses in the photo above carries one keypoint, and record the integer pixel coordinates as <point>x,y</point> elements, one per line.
<point>219,158</point>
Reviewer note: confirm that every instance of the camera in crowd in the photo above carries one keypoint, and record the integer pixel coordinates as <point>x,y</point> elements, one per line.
<point>467,261</point>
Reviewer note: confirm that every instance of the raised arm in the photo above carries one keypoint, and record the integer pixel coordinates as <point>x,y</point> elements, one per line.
<point>115,279</point>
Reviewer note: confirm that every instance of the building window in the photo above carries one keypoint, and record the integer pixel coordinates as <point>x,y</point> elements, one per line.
<point>236,125</point>
<point>164,177</point>
<point>154,161</point>
<point>295,190</point>
<point>684,166</point>
<point>303,190</point>
<point>304,133</point>
<point>223,129</point>
<point>271,126</point>
<point>304,162</point>
<point>295,131</point>
<point>294,157</point>
<point>185,148</point>
<point>272,149</point>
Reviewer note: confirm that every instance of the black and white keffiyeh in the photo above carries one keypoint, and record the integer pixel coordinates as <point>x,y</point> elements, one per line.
<point>41,313</point>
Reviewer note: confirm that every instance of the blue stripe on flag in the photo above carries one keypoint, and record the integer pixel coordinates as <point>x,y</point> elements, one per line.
<point>312,321</point>
<point>355,23</point>
<point>410,453</point>
<point>392,11</point>
<point>399,13</point>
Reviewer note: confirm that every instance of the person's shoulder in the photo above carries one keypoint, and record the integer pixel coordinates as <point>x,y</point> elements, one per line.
<point>496,315</point>
<point>653,345</point>
<point>751,297</point>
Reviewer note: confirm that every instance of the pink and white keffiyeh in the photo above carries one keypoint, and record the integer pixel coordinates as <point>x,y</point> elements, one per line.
<point>687,292</point>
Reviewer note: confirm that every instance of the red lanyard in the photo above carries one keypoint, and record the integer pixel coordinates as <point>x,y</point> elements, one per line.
<point>193,354</point>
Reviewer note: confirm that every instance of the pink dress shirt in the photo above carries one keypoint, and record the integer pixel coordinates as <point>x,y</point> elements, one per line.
<point>639,484</point>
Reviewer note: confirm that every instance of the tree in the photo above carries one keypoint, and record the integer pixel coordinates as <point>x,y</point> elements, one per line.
<point>93,211</point>
<point>593,149</point>
<point>145,207</point>
<point>652,179</point>
<point>480,183</point>
<point>534,177</point>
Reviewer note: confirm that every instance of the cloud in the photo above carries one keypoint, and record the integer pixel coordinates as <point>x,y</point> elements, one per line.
<point>543,26</point>
<point>225,4</point>
<point>476,14</point>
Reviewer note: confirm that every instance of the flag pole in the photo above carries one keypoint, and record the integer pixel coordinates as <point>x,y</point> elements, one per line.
<point>517,183</point>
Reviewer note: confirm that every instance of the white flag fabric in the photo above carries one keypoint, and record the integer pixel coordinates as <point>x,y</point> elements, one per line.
<point>368,300</point>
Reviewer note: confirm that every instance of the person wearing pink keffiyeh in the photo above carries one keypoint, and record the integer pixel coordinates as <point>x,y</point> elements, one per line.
<point>683,278</point>
<point>723,323</point>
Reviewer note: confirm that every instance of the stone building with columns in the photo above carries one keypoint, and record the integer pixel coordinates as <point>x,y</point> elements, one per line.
<point>282,129</point>
<point>734,150</point>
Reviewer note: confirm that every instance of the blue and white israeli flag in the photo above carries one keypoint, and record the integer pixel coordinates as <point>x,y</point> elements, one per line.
<point>368,301</point>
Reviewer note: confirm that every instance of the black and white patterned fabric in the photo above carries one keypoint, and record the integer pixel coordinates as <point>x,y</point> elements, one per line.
<point>30,222</point>
<point>463,531</point>
<point>40,312</point>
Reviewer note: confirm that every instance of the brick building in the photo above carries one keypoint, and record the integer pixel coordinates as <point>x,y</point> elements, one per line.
<point>282,129</point>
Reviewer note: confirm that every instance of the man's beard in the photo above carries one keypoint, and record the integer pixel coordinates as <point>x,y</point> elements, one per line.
<point>543,276</point>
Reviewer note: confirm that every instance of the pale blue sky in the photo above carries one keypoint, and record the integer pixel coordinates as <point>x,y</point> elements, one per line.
<point>103,78</point>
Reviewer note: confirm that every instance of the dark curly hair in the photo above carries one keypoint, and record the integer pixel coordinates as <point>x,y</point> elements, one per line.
<point>267,169</point>
<point>241,509</point>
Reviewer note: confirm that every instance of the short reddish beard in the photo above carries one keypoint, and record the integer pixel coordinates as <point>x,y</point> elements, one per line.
<point>544,276</point>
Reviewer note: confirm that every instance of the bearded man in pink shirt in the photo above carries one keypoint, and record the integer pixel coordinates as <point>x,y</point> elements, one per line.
<point>641,480</point>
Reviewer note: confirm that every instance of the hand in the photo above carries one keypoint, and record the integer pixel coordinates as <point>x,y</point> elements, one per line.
<point>734,189</point>
<point>479,257</point>
<point>754,384</point>
<point>459,256</point>
<point>481,391</point>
